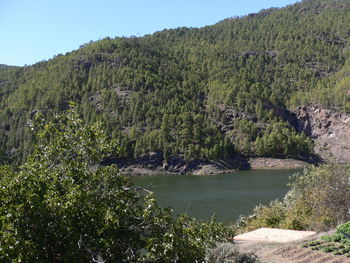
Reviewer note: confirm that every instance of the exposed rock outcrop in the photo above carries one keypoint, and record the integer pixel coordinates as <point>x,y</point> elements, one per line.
<point>329,129</point>
<point>154,163</point>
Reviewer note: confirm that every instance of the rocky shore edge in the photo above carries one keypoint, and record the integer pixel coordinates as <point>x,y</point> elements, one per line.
<point>154,164</point>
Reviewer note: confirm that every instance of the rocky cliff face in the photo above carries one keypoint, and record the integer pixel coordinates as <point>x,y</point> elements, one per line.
<point>330,131</point>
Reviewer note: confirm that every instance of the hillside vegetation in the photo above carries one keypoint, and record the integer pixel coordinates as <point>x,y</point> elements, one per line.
<point>201,93</point>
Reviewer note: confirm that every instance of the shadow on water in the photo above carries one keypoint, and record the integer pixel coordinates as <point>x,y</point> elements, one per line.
<point>227,196</point>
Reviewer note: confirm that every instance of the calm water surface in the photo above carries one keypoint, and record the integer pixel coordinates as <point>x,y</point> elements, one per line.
<point>227,196</point>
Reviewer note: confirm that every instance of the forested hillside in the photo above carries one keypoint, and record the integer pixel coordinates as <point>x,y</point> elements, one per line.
<point>201,93</point>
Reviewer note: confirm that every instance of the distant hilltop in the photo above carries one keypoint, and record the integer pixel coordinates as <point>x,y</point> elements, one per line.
<point>270,85</point>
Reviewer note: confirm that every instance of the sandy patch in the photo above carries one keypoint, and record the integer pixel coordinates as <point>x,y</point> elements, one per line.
<point>273,235</point>
<point>272,163</point>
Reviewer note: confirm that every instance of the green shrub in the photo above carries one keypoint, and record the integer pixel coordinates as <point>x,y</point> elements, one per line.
<point>264,216</point>
<point>345,228</point>
<point>62,205</point>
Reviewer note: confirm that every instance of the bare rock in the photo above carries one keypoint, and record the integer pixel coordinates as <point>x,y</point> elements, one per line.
<point>330,131</point>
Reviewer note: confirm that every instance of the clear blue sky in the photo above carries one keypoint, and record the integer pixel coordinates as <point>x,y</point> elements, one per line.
<point>35,30</point>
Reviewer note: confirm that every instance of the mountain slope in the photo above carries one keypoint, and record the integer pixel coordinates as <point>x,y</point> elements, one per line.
<point>207,93</point>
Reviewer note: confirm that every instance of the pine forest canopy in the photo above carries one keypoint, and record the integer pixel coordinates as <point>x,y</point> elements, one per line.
<point>174,90</point>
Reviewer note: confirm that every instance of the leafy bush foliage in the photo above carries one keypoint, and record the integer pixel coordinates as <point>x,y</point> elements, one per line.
<point>323,194</point>
<point>62,205</point>
<point>263,216</point>
<point>344,228</point>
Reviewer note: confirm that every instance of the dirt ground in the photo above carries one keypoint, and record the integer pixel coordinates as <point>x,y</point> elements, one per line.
<point>291,252</point>
<point>272,163</point>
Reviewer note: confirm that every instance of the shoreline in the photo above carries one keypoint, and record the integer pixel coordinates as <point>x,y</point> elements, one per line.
<point>215,168</point>
<point>275,164</point>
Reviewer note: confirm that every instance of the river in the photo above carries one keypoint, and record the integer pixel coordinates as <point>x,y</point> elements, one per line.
<point>227,195</point>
